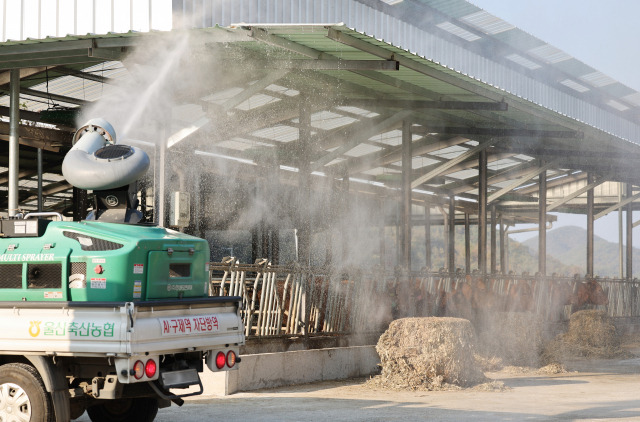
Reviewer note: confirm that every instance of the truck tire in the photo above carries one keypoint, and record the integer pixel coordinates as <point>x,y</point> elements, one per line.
<point>139,410</point>
<point>23,395</point>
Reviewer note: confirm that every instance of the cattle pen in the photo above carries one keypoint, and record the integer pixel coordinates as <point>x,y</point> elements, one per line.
<point>350,162</point>
<point>298,301</point>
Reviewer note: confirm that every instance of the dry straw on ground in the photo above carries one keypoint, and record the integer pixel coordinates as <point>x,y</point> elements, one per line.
<point>428,354</point>
<point>591,334</point>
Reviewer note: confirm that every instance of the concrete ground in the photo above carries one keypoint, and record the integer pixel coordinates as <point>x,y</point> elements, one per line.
<point>591,390</point>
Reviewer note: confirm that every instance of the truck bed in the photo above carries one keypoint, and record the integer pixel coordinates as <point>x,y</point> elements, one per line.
<point>119,329</point>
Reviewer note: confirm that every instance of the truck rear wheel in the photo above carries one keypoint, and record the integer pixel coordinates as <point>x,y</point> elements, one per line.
<point>139,410</point>
<point>23,396</point>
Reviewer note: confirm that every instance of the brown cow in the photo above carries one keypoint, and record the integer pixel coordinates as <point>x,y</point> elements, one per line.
<point>561,296</point>
<point>484,298</point>
<point>520,296</point>
<point>588,294</point>
<point>459,299</point>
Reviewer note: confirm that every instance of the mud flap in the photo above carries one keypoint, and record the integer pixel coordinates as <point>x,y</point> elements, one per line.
<point>177,379</point>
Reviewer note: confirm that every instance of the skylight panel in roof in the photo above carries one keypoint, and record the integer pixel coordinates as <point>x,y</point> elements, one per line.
<point>283,90</point>
<point>522,61</point>
<point>327,120</point>
<point>450,152</point>
<point>335,161</point>
<point>256,101</point>
<point>633,99</point>
<point>617,105</point>
<point>457,31</point>
<point>393,137</point>
<point>463,174</point>
<point>279,133</point>
<point>362,149</point>
<point>357,111</point>
<point>487,23</point>
<point>549,53</point>
<point>502,164</point>
<point>419,162</point>
<point>597,79</point>
<point>574,85</point>
<point>522,157</point>
<point>382,172</point>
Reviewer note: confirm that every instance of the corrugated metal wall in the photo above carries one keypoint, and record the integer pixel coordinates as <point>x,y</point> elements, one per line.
<point>22,19</point>
<point>369,20</point>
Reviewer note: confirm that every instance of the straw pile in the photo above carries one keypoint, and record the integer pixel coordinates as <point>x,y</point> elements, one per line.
<point>515,338</point>
<point>428,354</point>
<point>591,334</point>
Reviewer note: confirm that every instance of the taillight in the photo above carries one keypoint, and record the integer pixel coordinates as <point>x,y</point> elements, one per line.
<point>138,369</point>
<point>150,368</point>
<point>231,358</point>
<point>221,359</point>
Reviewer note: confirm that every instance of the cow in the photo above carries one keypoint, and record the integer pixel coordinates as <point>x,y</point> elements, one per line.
<point>588,294</point>
<point>561,296</point>
<point>520,296</point>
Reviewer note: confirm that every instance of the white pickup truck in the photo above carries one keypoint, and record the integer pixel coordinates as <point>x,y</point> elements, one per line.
<point>121,361</point>
<point>111,315</point>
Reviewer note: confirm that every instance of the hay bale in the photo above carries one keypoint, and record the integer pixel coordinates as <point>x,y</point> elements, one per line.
<point>591,334</point>
<point>428,354</point>
<point>514,337</point>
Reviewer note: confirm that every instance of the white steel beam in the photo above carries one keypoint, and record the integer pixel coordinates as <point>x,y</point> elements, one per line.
<point>617,206</point>
<point>598,181</point>
<point>520,181</point>
<point>450,163</point>
<point>362,136</point>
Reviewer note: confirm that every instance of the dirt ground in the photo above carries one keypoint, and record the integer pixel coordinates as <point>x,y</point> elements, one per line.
<point>590,390</point>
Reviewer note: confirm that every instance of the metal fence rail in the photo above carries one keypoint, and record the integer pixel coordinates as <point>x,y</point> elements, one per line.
<point>295,300</point>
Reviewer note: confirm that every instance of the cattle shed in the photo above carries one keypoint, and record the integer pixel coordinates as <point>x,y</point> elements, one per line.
<point>317,147</point>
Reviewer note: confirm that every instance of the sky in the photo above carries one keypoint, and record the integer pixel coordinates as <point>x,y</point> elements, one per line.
<point>604,34</point>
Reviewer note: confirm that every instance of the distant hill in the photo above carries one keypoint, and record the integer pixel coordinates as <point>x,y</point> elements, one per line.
<point>568,245</point>
<point>521,258</point>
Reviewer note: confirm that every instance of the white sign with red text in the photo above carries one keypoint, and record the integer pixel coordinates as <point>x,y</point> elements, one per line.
<point>188,325</point>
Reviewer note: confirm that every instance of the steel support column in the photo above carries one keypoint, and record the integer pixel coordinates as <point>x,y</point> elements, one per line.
<point>494,241</point>
<point>590,220</point>
<point>202,225</point>
<point>482,211</point>
<point>620,233</point>
<point>427,235</point>
<point>542,223</point>
<point>40,202</point>
<point>629,194</point>
<point>255,238</point>
<point>451,241</point>
<point>503,249</point>
<point>274,232</point>
<point>345,241</point>
<point>467,244</point>
<point>160,165</point>
<point>405,238</point>
<point>383,250</point>
<point>304,185</point>
<point>275,245</point>
<point>14,145</point>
